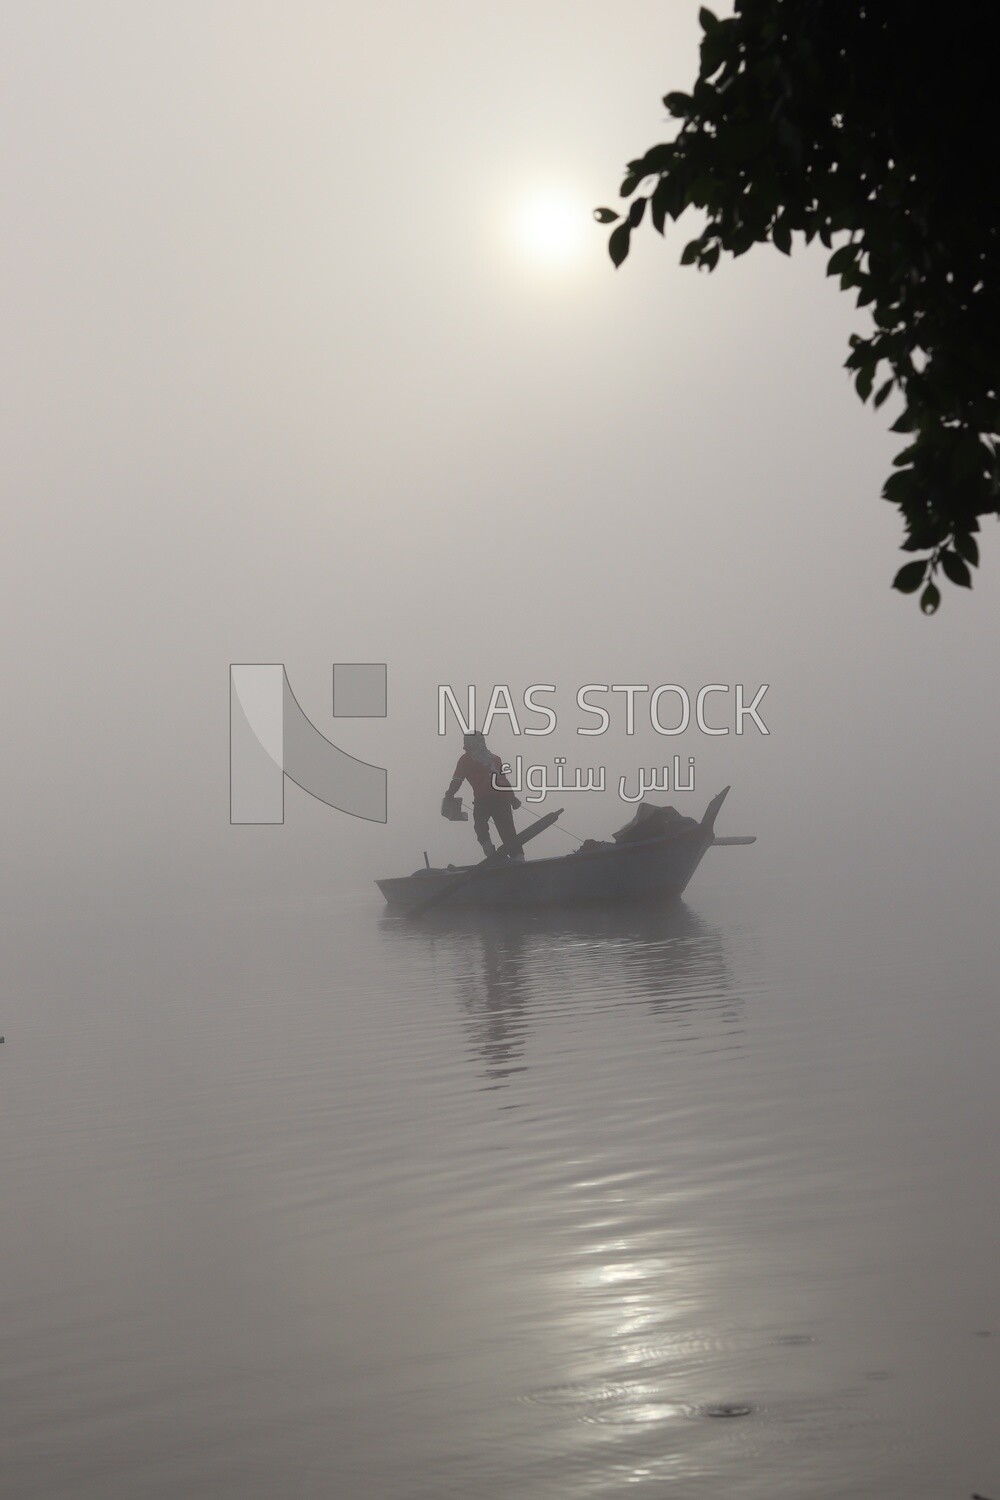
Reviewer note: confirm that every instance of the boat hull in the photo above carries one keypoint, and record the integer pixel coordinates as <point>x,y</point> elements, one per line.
<point>633,874</point>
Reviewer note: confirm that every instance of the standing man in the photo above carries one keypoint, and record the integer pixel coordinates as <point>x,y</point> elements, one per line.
<point>491,791</point>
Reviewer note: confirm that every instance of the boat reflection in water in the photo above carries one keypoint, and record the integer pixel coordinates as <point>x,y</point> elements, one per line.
<point>505,967</point>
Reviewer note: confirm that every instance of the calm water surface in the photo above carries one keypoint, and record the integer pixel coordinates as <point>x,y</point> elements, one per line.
<point>307,1201</point>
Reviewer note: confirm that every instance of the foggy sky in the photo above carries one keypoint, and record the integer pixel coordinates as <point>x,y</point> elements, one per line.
<point>281,386</point>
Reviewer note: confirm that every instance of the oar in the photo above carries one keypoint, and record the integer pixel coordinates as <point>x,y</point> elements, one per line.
<point>488,863</point>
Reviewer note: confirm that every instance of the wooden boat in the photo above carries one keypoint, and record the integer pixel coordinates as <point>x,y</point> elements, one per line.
<point>635,872</point>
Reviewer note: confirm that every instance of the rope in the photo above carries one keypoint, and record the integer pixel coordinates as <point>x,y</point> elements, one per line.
<point>557,826</point>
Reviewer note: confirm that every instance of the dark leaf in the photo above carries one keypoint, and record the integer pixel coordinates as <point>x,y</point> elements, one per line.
<point>677,195</point>
<point>860,355</point>
<point>701,189</point>
<point>910,576</point>
<point>955,569</point>
<point>883,391</point>
<point>863,381</point>
<point>899,486</point>
<point>905,423</point>
<point>924,533</point>
<point>636,211</point>
<point>930,598</point>
<point>657,159</point>
<point>842,260</point>
<point>679,105</point>
<point>714,50</point>
<point>741,241</point>
<point>618,243</point>
<point>967,547</point>
<point>709,22</point>
<point>605,215</point>
<point>668,198</point>
<point>782,236</point>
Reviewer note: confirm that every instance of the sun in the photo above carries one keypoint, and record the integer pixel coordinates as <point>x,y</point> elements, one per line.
<point>550,227</point>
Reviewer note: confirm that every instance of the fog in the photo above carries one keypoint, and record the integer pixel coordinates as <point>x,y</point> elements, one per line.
<point>313,354</point>
<point>283,384</point>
